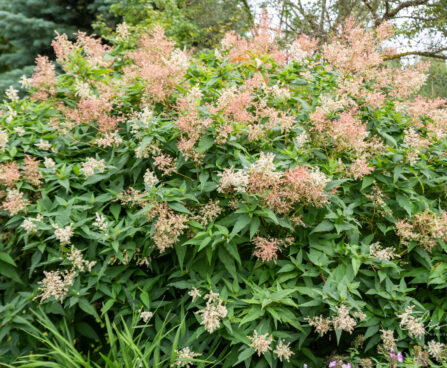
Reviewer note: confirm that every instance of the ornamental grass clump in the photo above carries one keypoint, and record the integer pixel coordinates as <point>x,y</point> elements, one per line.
<point>282,205</point>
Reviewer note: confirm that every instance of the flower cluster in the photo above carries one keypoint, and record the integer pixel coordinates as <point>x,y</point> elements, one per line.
<point>261,343</point>
<point>78,262</point>
<point>426,228</point>
<point>150,179</point>
<point>91,165</point>
<point>342,321</point>
<point>437,350</point>
<point>383,254</point>
<point>146,316</point>
<point>267,249</point>
<point>414,325</point>
<point>185,357</point>
<point>101,222</point>
<point>232,180</point>
<point>9,174</point>
<point>15,202</point>
<point>63,234</point>
<point>159,64</point>
<point>213,312</point>
<point>169,226</point>
<point>55,284</point>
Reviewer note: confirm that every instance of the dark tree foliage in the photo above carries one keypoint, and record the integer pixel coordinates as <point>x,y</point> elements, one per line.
<point>28,26</point>
<point>192,23</point>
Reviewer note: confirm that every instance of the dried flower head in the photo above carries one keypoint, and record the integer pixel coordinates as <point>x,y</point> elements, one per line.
<point>261,343</point>
<point>15,202</point>
<point>232,180</point>
<point>437,350</point>
<point>63,234</point>
<point>283,351</point>
<point>146,316</point>
<point>388,340</point>
<point>320,324</point>
<point>185,357</point>
<point>266,249</point>
<point>165,163</point>
<point>414,325</point>
<point>150,179</point>
<point>194,293</point>
<point>91,165</point>
<point>213,312</point>
<point>384,254</point>
<point>343,321</point>
<point>29,225</point>
<point>55,284</point>
<point>78,262</point>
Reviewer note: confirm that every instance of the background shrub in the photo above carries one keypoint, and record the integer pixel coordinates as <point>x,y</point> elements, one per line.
<point>264,206</point>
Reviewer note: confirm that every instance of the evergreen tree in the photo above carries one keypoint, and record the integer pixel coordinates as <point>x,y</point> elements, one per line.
<point>28,26</point>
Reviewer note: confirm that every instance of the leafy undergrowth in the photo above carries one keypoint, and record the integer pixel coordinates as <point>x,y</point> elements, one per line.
<point>252,206</point>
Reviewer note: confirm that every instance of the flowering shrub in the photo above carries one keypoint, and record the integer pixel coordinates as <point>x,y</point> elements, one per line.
<point>283,206</point>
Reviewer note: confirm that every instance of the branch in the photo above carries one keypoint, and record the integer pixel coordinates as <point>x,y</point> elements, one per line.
<point>389,14</point>
<point>305,16</point>
<point>430,54</point>
<point>371,10</point>
<point>323,9</point>
<point>248,10</point>
<point>416,18</point>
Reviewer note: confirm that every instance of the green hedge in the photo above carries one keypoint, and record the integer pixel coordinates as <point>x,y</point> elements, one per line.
<point>268,207</point>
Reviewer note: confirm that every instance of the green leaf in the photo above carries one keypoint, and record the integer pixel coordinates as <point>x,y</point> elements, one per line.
<point>115,208</point>
<point>227,261</point>
<point>177,206</point>
<point>355,264</point>
<point>397,173</point>
<point>245,355</point>
<point>85,329</point>
<point>5,257</point>
<point>241,223</point>
<point>107,305</point>
<point>404,203</point>
<point>205,143</point>
<point>371,330</point>
<point>254,226</point>
<point>367,181</point>
<point>144,296</point>
<point>231,248</point>
<point>323,226</point>
<point>9,271</point>
<point>181,252</point>
<point>88,308</point>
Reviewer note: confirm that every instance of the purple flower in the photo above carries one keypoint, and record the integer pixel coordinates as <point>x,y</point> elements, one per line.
<point>347,365</point>
<point>332,364</point>
<point>304,365</point>
<point>392,355</point>
<point>400,357</point>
